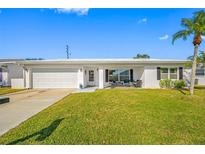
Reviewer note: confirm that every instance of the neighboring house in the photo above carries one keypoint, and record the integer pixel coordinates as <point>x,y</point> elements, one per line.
<point>200,76</point>
<point>80,73</point>
<point>10,72</point>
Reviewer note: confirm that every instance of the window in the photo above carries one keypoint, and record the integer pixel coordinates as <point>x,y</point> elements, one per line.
<point>164,73</point>
<point>168,73</point>
<point>113,75</point>
<point>118,75</point>
<point>91,75</point>
<point>200,71</point>
<point>124,75</point>
<point>173,73</point>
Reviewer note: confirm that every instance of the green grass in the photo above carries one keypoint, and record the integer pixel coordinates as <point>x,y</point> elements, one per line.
<point>117,116</point>
<point>8,90</point>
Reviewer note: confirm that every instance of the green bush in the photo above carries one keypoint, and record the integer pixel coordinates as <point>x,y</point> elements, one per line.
<point>166,83</point>
<point>179,84</point>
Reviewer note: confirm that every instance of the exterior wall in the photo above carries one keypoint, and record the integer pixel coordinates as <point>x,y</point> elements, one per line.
<point>96,76</point>
<point>4,77</point>
<point>187,75</point>
<point>81,80</point>
<point>14,72</point>
<point>201,80</point>
<point>138,74</point>
<point>11,72</point>
<point>150,75</point>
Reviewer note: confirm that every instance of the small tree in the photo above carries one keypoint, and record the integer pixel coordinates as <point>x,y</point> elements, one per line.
<point>142,56</point>
<point>196,27</point>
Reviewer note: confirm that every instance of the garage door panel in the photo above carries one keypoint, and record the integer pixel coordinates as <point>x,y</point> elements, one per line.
<point>55,78</point>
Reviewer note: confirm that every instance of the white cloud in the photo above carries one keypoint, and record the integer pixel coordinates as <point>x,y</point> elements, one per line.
<point>165,37</point>
<point>203,37</point>
<point>78,11</point>
<point>143,20</point>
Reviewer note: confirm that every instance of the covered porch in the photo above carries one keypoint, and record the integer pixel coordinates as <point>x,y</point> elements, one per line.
<point>103,77</point>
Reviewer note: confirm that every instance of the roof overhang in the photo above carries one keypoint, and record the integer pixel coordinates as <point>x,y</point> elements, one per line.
<point>103,61</point>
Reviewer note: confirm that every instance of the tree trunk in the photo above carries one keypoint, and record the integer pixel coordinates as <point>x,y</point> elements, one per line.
<point>193,73</point>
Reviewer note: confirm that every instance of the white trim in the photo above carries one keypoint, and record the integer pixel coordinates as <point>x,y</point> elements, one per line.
<point>104,61</point>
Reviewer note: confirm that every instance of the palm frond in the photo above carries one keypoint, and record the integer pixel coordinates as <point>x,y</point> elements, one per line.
<point>199,20</point>
<point>181,34</point>
<point>190,58</point>
<point>202,56</point>
<point>188,23</point>
<point>199,16</point>
<point>198,59</point>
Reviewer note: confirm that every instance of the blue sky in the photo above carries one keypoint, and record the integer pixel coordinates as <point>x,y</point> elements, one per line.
<point>93,33</point>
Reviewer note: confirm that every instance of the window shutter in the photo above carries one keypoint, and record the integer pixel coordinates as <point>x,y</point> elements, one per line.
<point>106,75</point>
<point>180,73</point>
<point>158,73</point>
<point>131,75</point>
<point>1,77</point>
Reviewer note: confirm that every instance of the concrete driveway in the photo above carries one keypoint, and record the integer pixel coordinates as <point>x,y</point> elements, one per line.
<point>25,104</point>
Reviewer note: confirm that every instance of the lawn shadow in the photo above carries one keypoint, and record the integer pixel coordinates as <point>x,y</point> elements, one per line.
<point>199,87</point>
<point>42,134</point>
<point>182,91</point>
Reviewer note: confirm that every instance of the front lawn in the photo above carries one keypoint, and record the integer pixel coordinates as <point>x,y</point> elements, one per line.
<point>117,116</point>
<point>8,90</point>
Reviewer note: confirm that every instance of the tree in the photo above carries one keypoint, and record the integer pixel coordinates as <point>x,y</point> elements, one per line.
<point>202,57</point>
<point>193,27</point>
<point>34,59</point>
<point>200,60</point>
<point>143,56</point>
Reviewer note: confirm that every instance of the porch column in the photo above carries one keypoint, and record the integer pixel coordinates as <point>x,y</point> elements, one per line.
<point>81,78</point>
<point>28,78</point>
<point>101,78</point>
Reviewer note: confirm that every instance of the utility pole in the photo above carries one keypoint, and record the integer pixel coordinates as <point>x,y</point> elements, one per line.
<point>68,51</point>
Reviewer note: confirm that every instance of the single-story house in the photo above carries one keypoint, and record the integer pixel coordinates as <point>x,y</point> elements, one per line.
<point>81,73</point>
<point>9,70</point>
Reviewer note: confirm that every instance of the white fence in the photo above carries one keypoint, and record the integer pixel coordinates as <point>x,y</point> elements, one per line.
<point>17,83</point>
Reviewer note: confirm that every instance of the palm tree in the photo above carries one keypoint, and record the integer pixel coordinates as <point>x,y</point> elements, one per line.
<point>193,27</point>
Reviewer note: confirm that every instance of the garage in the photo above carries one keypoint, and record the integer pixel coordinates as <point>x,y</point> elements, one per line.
<point>55,78</point>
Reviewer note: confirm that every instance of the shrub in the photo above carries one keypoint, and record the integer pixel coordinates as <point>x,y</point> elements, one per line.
<point>166,83</point>
<point>179,84</point>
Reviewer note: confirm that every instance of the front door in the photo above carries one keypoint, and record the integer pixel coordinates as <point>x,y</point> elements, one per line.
<point>91,78</point>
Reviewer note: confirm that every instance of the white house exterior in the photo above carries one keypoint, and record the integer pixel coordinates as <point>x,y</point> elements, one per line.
<point>81,73</point>
<point>11,73</point>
